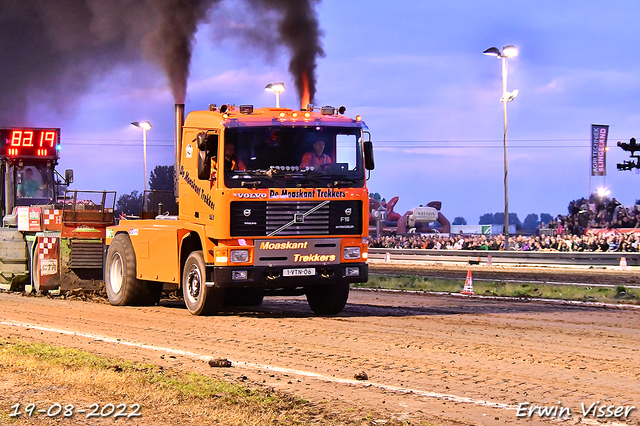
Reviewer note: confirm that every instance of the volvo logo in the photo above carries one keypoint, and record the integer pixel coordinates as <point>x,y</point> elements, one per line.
<point>247,212</point>
<point>347,211</point>
<point>251,195</point>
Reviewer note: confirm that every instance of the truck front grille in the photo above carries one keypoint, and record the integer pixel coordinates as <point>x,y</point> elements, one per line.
<point>287,218</point>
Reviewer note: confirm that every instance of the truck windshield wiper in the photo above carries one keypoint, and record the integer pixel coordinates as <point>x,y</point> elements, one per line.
<point>340,182</point>
<point>250,184</point>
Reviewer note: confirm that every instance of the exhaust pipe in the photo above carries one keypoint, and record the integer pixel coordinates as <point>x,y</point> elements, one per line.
<point>178,143</point>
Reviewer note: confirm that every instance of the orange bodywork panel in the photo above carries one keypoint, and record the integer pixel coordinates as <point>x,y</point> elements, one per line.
<point>157,246</point>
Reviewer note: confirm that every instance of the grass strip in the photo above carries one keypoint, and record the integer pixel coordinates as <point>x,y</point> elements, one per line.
<point>42,374</point>
<point>619,294</point>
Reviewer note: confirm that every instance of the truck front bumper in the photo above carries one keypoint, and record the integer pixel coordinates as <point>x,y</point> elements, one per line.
<point>273,277</point>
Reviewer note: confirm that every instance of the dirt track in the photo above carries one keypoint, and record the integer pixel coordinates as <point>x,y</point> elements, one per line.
<point>607,276</point>
<point>486,355</point>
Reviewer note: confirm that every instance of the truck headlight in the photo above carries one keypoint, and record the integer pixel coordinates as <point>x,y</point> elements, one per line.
<point>239,256</point>
<point>351,252</point>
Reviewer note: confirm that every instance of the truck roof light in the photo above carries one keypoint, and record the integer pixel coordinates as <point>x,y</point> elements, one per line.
<point>358,118</point>
<point>342,109</point>
<point>282,114</point>
<point>294,115</point>
<point>328,110</point>
<point>213,107</point>
<point>307,114</point>
<point>246,109</point>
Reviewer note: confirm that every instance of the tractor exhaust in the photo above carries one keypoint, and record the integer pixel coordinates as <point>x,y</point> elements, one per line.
<point>178,143</point>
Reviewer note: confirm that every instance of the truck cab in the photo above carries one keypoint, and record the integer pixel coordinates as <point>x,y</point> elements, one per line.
<point>271,201</point>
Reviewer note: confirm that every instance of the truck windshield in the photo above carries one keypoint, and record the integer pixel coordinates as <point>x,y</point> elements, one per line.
<point>33,184</point>
<point>263,157</point>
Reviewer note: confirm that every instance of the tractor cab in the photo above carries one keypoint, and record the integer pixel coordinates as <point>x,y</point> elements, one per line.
<point>27,168</point>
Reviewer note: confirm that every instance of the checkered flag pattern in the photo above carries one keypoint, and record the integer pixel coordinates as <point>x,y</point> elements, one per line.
<point>52,216</point>
<point>45,245</point>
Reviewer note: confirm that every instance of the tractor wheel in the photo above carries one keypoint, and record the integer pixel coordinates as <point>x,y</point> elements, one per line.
<point>199,298</point>
<point>328,299</point>
<point>33,273</point>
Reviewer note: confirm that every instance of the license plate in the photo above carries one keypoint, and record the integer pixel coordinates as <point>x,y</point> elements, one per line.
<point>297,272</point>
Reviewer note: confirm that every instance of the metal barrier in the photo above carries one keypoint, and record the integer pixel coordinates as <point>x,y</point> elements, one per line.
<point>585,259</point>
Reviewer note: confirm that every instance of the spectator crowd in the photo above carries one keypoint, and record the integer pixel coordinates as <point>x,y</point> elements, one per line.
<point>566,243</point>
<point>564,233</point>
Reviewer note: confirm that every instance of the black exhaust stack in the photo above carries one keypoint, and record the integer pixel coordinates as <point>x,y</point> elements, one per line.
<point>178,143</point>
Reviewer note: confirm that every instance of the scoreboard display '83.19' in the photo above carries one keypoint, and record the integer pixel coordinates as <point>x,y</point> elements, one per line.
<point>29,143</point>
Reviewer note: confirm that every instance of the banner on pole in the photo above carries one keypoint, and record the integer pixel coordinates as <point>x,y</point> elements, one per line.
<point>599,133</point>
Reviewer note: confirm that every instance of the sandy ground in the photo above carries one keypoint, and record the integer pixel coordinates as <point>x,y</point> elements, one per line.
<point>438,359</point>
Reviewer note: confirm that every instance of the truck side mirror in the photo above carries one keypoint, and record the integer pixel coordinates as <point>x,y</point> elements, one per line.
<point>368,155</point>
<point>204,165</point>
<point>68,176</point>
<point>202,141</point>
<point>207,148</point>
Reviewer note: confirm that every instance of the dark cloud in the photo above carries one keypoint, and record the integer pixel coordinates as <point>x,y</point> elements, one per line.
<point>55,50</point>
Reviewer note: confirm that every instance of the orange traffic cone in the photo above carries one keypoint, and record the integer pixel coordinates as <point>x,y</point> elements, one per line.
<point>468,285</point>
<point>623,263</point>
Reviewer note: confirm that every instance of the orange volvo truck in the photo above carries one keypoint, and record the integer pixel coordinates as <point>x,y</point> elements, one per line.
<point>271,201</point>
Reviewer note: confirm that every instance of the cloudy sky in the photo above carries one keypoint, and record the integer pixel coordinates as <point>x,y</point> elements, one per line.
<point>414,70</point>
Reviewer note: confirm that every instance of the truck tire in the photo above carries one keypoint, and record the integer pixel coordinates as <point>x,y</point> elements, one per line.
<point>199,298</point>
<point>243,297</point>
<point>121,282</point>
<point>328,299</point>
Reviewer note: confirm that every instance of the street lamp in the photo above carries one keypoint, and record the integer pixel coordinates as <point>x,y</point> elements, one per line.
<point>508,51</point>
<point>144,125</point>
<point>276,88</point>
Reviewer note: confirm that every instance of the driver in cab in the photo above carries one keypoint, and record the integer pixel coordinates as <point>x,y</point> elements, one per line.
<point>231,162</point>
<point>316,159</point>
<point>29,187</point>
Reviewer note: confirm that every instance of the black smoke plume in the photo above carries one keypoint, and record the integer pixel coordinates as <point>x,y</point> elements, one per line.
<point>300,32</point>
<point>53,50</point>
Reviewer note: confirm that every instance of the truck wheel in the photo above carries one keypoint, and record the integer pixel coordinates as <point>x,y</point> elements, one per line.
<point>122,285</point>
<point>199,298</point>
<point>243,297</point>
<point>328,299</point>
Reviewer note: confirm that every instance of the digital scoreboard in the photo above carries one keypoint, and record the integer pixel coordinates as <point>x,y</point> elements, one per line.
<point>29,143</point>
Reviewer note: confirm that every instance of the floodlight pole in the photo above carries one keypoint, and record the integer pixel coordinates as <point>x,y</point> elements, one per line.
<point>507,52</point>
<point>504,146</point>
<point>144,126</point>
<point>144,145</point>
